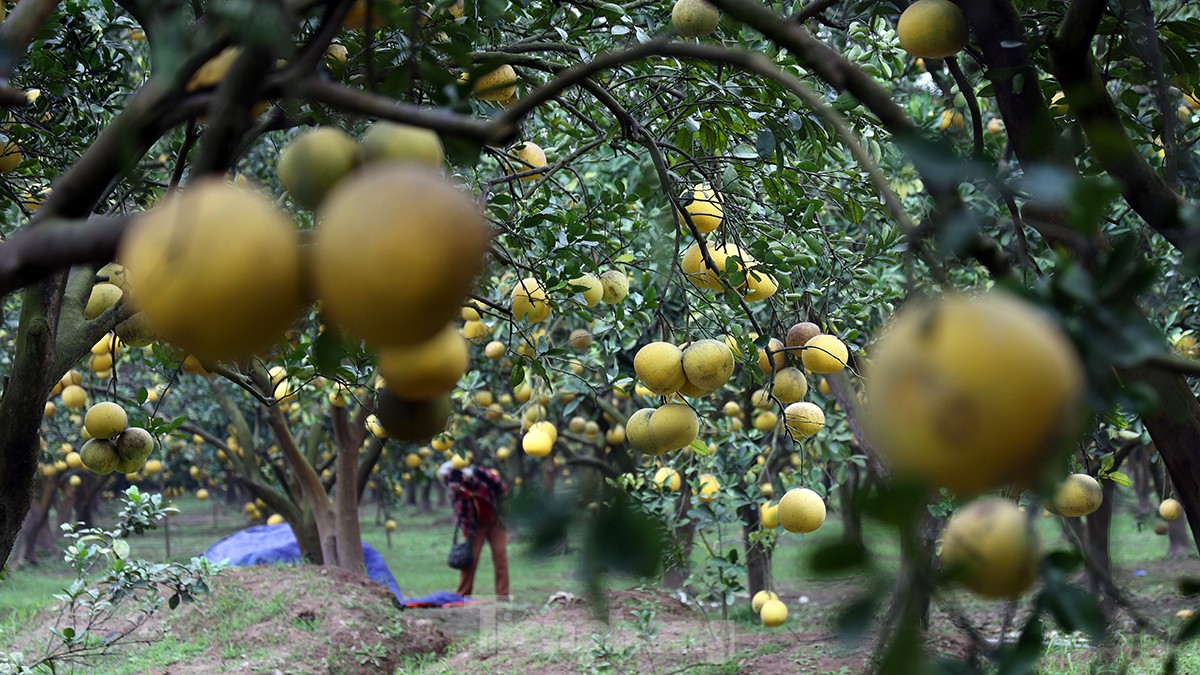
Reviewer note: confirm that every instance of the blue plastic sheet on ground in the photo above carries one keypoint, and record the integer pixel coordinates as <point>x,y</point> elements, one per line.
<point>275,544</point>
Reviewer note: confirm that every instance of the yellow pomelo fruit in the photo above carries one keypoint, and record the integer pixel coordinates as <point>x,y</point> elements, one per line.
<point>760,598</point>
<point>615,435</point>
<point>426,370</point>
<point>707,364</point>
<point>152,468</point>
<point>616,286</point>
<point>674,426</point>
<point>659,366</point>
<point>74,396</point>
<point>668,479</point>
<point>71,377</point>
<point>972,392</point>
<point>73,460</point>
<point>593,291</point>
<point>537,443</point>
<point>356,18</point>
<point>99,456</point>
<point>577,424</point>
<point>769,514</point>
<point>218,270</point>
<point>995,126</point>
<point>405,218</point>
<point>1170,509</point>
<point>546,428</point>
<point>637,430</point>
<point>412,460</point>
<point>694,18</point>
<point>774,613</point>
<point>804,418</point>
<point>410,421</point>
<point>709,487</point>
<point>102,297</point>
<point>49,409</point>
<point>314,162</point>
<point>529,156</point>
<point>100,363</point>
<point>503,453</point>
<point>105,420</point>
<point>1078,495</point>
<point>991,548</point>
<point>759,286</point>
<point>497,85</point>
<point>475,331</point>
<point>10,157</point>
<point>777,359</point>
<point>692,391</point>
<point>790,385</point>
<point>458,461</point>
<point>106,345</point>
<point>392,142</point>
<point>529,301</point>
<point>275,519</point>
<point>932,29</point>
<point>202,494</point>
<point>704,205</point>
<point>801,510</point>
<point>825,354</point>
<point>761,399</point>
<point>800,333</point>
<point>699,274</point>
<point>580,338</point>
<point>731,409</point>
<point>952,120</point>
<point>495,350</point>
<point>766,421</point>
<point>135,331</point>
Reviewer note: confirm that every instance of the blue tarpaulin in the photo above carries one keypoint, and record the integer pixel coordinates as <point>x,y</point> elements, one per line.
<point>276,544</point>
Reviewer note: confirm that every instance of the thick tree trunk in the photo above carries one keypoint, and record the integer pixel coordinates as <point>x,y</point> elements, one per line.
<point>426,505</point>
<point>685,535</point>
<point>23,404</point>
<point>36,522</point>
<point>1174,424</point>
<point>1099,572</point>
<point>1179,544</point>
<point>310,486</point>
<point>1142,484</point>
<point>914,584</point>
<point>851,518</point>
<point>758,557</point>
<point>349,532</point>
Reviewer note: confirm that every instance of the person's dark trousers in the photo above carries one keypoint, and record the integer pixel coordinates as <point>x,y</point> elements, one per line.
<point>497,538</point>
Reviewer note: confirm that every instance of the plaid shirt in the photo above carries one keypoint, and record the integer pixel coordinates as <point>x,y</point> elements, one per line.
<point>475,493</point>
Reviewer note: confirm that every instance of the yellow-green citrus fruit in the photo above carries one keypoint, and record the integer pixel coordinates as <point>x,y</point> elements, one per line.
<point>580,338</point>
<point>217,270</point>
<point>105,420</point>
<point>102,297</point>
<point>774,613</point>
<point>991,548</point>
<point>74,396</point>
<point>972,392</point>
<point>99,456</point>
<point>1078,495</point>
<point>497,85</point>
<point>760,598</point>
<point>314,162</point>
<point>952,120</point>
<point>769,515</point>
<point>475,331</point>
<point>537,443</point>
<point>825,354</point>
<point>391,142</point>
<point>10,157</point>
<point>707,364</point>
<point>495,350</point>
<point>153,467</point>
<point>704,205</point>
<point>135,444</point>
<point>709,486</point>
<point>135,331</point>
<point>529,301</point>
<point>668,479</point>
<point>790,385</point>
<point>1170,509</point>
<point>659,366</point>
<point>801,510</point>
<point>425,370</point>
<point>529,156</point>
<point>694,18</point>
<point>275,519</point>
<point>766,421</point>
<point>546,428</point>
<point>932,29</point>
<point>759,286</point>
<point>637,430</point>
<point>776,361</point>
<point>616,286</point>
<point>410,421</point>
<point>803,418</point>
<point>674,426</point>
<point>593,291</point>
<point>409,219</point>
<point>800,333</point>
<point>699,274</point>
<point>202,494</point>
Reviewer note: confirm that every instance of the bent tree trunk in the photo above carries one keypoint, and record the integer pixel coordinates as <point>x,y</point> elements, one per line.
<point>685,536</point>
<point>758,557</point>
<point>1096,542</point>
<point>1174,424</point>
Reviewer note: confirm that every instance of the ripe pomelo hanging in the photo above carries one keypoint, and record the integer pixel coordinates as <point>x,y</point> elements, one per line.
<point>395,253</point>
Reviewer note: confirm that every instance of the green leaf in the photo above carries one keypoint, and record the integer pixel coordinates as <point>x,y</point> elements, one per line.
<point>1119,478</point>
<point>517,376</point>
<point>120,549</point>
<point>765,143</point>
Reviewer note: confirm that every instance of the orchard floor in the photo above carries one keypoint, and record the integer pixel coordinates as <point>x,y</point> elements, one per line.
<point>305,620</point>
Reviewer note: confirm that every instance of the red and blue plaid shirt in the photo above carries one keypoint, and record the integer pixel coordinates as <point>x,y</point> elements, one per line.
<point>475,493</point>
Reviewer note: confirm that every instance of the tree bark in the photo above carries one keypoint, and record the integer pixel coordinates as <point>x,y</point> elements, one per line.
<point>349,532</point>
<point>1142,485</point>
<point>677,573</point>
<point>758,557</point>
<point>851,517</point>
<point>1174,424</point>
<point>310,486</point>
<point>1097,545</point>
